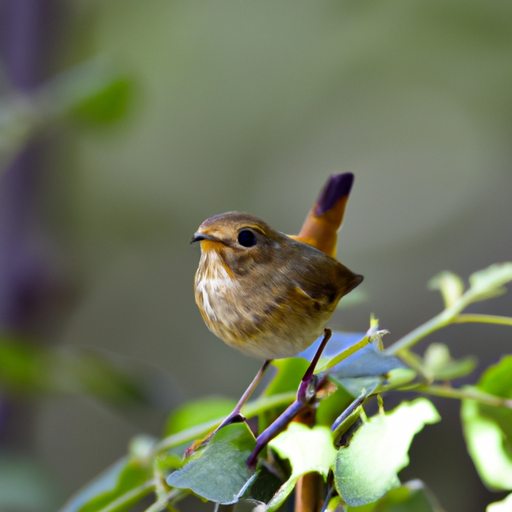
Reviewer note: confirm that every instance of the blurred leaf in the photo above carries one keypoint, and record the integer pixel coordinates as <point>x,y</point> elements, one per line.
<point>105,105</point>
<point>219,472</point>
<point>410,497</point>
<point>488,429</point>
<point>367,468</point>
<point>128,478</point>
<point>450,285</point>
<point>166,462</point>
<point>439,365</point>
<point>308,450</point>
<point>28,368</point>
<point>196,412</point>
<point>24,367</point>
<point>436,356</point>
<point>489,282</point>
<point>94,92</point>
<point>24,485</point>
<point>354,298</point>
<point>398,377</point>
<point>501,506</point>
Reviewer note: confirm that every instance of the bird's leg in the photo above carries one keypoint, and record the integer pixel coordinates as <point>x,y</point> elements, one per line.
<point>308,381</point>
<point>236,416</point>
<point>306,393</point>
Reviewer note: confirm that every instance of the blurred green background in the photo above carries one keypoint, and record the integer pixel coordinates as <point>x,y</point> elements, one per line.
<point>217,106</point>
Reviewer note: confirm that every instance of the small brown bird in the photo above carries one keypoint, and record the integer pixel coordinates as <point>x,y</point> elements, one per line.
<point>265,293</point>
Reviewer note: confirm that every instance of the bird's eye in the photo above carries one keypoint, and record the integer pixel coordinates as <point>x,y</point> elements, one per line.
<point>246,238</point>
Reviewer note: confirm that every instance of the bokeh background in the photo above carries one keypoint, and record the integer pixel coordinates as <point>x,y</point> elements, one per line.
<point>124,124</point>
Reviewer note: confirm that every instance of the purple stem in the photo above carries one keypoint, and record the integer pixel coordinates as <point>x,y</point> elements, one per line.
<point>27,36</point>
<point>306,380</point>
<point>305,396</point>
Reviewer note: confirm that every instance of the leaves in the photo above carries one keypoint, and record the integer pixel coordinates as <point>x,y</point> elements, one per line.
<point>363,366</point>
<point>501,506</point>
<point>410,497</point>
<point>124,484</point>
<point>197,412</point>
<point>450,285</point>
<point>373,450</point>
<point>28,368</point>
<point>308,450</point>
<point>488,429</point>
<point>367,468</point>
<point>93,93</point>
<point>363,371</point>
<point>485,284</point>
<point>219,472</point>
<point>439,365</point>
<point>489,282</point>
<point>106,104</point>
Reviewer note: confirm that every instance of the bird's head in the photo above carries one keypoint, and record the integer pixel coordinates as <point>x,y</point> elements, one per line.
<point>238,237</point>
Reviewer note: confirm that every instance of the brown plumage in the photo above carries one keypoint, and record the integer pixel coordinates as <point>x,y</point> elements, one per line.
<point>263,292</point>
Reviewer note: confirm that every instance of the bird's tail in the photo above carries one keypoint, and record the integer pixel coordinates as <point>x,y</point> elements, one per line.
<point>320,229</point>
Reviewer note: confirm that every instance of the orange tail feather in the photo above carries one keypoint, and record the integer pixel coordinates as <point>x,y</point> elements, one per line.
<point>324,219</point>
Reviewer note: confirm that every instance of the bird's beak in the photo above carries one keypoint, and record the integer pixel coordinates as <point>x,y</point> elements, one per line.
<point>198,237</point>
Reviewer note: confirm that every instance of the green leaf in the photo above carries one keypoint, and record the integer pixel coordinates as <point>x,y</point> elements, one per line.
<point>450,285</point>
<point>289,374</point>
<point>362,371</point>
<point>264,486</point>
<point>94,92</point>
<point>118,488</point>
<point>330,408</point>
<point>501,506</point>
<point>489,282</point>
<point>29,368</point>
<point>367,468</point>
<point>308,450</point>
<point>358,386</point>
<point>219,472</point>
<point>24,367</point>
<point>488,429</point>
<point>439,365</point>
<point>197,412</point>
<point>410,497</point>
<point>106,103</point>
<point>345,428</point>
<point>397,378</point>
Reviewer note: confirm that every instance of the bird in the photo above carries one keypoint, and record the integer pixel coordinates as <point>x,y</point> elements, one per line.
<point>268,294</point>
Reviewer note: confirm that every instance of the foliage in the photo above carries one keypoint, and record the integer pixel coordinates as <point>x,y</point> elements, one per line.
<point>91,94</point>
<point>357,457</point>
